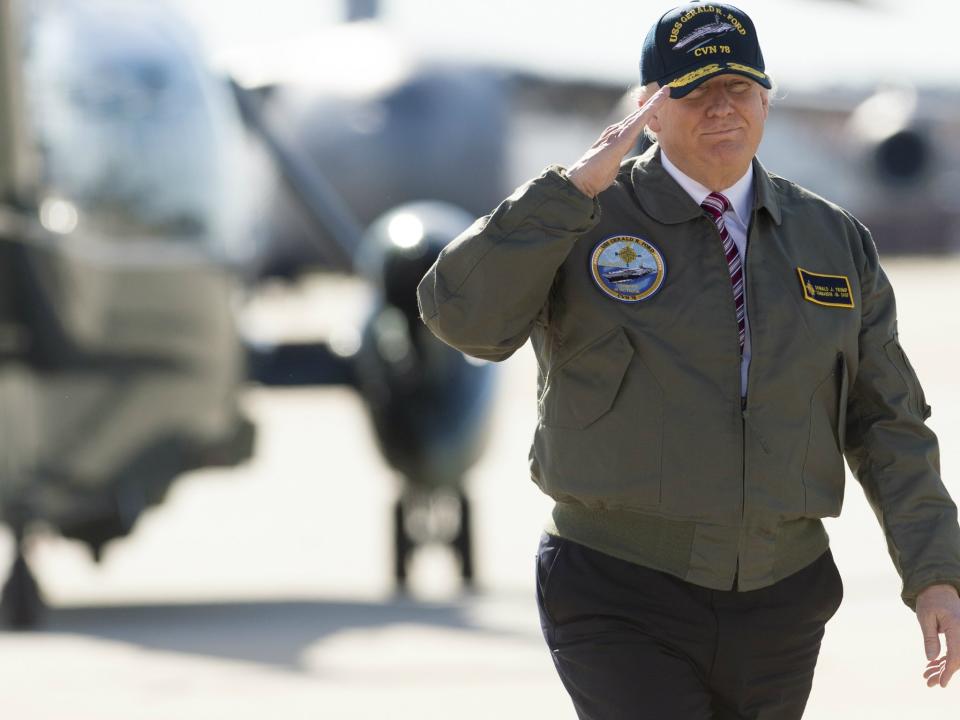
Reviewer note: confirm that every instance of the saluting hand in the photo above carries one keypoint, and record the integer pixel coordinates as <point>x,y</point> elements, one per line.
<point>597,169</point>
<point>938,610</point>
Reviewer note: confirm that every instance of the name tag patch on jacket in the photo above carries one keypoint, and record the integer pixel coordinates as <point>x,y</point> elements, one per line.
<point>627,268</point>
<point>830,290</point>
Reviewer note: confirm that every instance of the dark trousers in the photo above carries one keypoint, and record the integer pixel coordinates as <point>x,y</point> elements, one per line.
<point>632,643</point>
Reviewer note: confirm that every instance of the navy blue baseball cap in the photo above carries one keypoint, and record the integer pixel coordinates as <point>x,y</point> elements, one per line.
<point>692,43</point>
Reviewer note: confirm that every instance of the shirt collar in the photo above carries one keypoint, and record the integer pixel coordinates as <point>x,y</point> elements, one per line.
<point>665,201</point>
<point>739,194</point>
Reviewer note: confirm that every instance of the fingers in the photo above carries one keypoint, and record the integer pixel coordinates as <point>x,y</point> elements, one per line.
<point>597,167</point>
<point>940,669</point>
<point>931,637</point>
<point>609,132</point>
<point>933,672</point>
<point>614,131</point>
<point>931,646</point>
<point>656,100</point>
<point>634,123</point>
<point>952,661</point>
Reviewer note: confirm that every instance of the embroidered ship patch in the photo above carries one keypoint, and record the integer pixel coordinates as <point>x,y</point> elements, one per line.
<point>627,268</point>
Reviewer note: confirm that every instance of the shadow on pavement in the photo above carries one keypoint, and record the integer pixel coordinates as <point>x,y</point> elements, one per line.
<point>274,633</point>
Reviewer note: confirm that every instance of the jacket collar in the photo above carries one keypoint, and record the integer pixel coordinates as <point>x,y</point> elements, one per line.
<point>665,201</point>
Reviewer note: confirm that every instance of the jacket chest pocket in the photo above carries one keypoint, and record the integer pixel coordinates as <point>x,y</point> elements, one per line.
<point>599,441</point>
<point>584,387</point>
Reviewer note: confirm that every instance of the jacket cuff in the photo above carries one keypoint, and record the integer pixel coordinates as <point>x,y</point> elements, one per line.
<point>578,206</point>
<point>909,596</point>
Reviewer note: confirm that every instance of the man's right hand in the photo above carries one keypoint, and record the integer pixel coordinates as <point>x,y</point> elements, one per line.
<point>597,169</point>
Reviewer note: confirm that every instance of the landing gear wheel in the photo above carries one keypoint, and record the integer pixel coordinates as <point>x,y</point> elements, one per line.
<point>463,543</point>
<point>402,545</point>
<point>21,600</point>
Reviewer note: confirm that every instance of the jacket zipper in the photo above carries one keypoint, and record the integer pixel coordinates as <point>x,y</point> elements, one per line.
<point>744,397</point>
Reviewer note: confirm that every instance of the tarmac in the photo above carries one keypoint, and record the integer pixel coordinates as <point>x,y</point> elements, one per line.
<point>264,591</point>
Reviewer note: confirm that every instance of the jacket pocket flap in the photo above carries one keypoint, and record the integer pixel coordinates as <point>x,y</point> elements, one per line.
<point>916,402</point>
<point>584,388</point>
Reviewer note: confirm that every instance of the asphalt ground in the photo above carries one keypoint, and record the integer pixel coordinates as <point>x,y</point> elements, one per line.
<point>264,591</point>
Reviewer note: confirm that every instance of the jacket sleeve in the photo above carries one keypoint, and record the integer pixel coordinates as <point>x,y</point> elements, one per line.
<point>891,451</point>
<point>489,285</point>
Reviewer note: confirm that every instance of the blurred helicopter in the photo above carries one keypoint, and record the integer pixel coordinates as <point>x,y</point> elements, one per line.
<point>129,216</point>
<point>429,405</point>
<point>370,155</point>
<point>121,364</point>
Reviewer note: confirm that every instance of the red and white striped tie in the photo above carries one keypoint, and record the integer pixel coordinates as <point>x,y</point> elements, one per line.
<point>716,205</point>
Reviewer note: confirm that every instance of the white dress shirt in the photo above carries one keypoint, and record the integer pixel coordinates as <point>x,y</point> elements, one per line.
<point>736,219</point>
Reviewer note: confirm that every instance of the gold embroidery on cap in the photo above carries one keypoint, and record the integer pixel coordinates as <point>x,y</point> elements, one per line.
<point>746,69</point>
<point>695,75</point>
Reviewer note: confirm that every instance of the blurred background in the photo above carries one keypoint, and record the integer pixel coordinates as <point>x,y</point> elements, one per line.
<point>238,475</point>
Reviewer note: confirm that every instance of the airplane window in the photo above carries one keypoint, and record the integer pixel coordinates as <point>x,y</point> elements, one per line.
<point>122,121</point>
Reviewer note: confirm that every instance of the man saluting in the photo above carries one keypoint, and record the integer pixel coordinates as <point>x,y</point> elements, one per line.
<point>712,341</point>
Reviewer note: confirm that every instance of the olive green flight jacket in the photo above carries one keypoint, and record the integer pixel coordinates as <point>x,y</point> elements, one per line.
<point>643,439</point>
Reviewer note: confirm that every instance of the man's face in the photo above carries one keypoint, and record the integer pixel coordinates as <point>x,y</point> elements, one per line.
<point>714,131</point>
